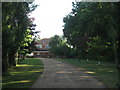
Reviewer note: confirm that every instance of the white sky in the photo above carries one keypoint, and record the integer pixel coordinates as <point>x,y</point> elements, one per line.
<point>49,16</point>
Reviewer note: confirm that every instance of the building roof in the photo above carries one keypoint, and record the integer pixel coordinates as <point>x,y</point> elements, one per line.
<point>44,41</point>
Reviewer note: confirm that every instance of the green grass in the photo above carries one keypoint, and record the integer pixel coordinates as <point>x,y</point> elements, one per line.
<point>105,72</point>
<point>24,75</point>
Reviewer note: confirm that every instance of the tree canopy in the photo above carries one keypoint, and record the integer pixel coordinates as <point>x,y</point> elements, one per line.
<point>59,47</point>
<point>17,30</point>
<point>92,28</point>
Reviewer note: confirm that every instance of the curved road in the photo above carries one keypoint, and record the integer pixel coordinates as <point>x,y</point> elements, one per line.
<point>62,75</point>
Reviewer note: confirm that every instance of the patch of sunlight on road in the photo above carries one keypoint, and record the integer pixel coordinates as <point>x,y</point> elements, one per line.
<point>89,72</point>
<point>64,72</point>
<point>60,65</point>
<point>86,76</point>
<point>100,83</point>
<point>23,81</point>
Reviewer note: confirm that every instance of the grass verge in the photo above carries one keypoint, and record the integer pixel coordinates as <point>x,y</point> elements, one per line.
<point>24,75</point>
<point>105,72</point>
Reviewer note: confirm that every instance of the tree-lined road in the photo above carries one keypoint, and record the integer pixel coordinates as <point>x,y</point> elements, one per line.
<point>62,75</point>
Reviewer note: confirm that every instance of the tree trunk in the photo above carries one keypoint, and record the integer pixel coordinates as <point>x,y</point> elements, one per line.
<point>115,50</point>
<point>11,58</point>
<point>18,58</point>
<point>118,66</point>
<point>4,62</point>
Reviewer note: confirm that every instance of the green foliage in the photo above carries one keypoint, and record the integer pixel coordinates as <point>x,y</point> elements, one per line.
<point>59,46</point>
<point>90,27</point>
<point>16,30</point>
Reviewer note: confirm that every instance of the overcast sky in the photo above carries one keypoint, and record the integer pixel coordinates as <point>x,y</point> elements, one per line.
<point>49,16</point>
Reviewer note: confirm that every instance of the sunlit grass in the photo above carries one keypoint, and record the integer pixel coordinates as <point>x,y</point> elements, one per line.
<point>23,81</point>
<point>24,75</point>
<point>105,72</point>
<point>24,65</point>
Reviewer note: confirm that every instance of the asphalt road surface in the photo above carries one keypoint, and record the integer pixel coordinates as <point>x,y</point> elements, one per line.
<point>58,74</point>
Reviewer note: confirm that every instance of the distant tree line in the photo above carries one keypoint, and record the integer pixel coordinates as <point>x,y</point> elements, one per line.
<point>17,31</point>
<point>59,47</point>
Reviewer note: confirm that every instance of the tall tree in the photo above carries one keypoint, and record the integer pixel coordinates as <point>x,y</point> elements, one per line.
<point>15,27</point>
<point>89,22</point>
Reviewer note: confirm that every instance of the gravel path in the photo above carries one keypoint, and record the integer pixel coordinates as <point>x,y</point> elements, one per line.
<point>62,75</point>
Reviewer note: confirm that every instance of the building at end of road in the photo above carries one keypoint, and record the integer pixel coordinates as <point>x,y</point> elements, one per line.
<point>41,48</point>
